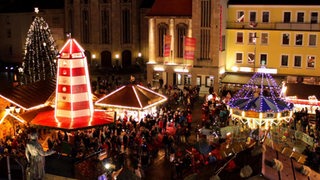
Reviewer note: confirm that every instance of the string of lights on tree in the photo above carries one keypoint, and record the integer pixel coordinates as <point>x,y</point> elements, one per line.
<point>40,53</point>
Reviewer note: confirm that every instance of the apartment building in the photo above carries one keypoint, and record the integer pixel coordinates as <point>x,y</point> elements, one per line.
<point>282,36</point>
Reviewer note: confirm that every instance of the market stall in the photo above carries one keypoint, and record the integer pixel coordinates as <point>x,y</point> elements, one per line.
<point>132,100</point>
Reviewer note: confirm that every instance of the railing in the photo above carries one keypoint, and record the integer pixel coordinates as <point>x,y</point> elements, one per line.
<point>274,26</point>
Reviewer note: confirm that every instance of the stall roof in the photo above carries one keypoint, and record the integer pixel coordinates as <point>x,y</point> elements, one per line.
<point>303,91</point>
<point>31,95</point>
<point>244,79</point>
<point>132,97</point>
<point>47,119</point>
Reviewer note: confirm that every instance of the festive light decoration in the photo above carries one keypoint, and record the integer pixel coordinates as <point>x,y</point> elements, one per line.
<point>73,91</point>
<point>259,103</point>
<point>39,54</point>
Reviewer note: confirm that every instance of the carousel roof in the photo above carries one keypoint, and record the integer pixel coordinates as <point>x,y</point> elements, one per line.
<point>31,95</point>
<point>261,104</point>
<point>258,97</point>
<point>132,96</point>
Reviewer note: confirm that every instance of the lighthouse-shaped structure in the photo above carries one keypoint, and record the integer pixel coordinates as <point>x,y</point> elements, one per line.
<point>73,92</point>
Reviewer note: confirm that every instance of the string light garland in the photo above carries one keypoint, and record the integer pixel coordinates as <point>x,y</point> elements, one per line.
<point>40,53</point>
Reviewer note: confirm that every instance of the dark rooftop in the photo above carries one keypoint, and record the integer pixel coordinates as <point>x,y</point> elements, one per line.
<point>171,8</point>
<point>274,2</point>
<point>146,3</point>
<point>15,6</point>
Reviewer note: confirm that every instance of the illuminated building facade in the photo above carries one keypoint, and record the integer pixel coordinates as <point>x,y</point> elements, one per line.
<point>281,35</point>
<point>202,20</point>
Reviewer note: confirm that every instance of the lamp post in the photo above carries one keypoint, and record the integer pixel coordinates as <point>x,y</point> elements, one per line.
<point>254,40</point>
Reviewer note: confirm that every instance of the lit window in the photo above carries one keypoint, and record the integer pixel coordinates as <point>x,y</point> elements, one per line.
<point>312,40</point>
<point>310,61</point>
<point>297,61</point>
<point>263,59</point>
<point>238,58</point>
<point>239,37</point>
<point>287,17</point>
<point>264,38</point>
<point>285,39</point>
<point>265,17</point>
<point>284,60</point>
<point>300,17</point>
<point>299,39</point>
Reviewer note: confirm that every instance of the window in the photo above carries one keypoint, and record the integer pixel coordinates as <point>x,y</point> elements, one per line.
<point>105,27</point>
<point>287,17</point>
<point>239,37</point>
<point>299,39</point>
<point>162,31</point>
<point>310,61</point>
<point>284,60</point>
<point>252,38</point>
<point>263,59</point>
<point>285,39</point>
<point>300,17</point>
<point>238,58</point>
<point>198,81</point>
<point>187,79</point>
<point>314,18</point>
<point>9,33</point>
<point>205,11</point>
<point>209,81</point>
<point>253,16</point>
<point>126,26</point>
<point>85,25</point>
<point>265,16</point>
<point>312,40</point>
<point>250,58</point>
<point>264,38</point>
<point>181,33</point>
<point>240,16</point>
<point>297,61</point>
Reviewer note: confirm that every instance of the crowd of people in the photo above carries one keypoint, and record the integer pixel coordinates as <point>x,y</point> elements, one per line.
<point>135,144</point>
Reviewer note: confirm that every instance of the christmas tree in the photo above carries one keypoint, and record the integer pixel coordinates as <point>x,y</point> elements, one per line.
<point>40,53</point>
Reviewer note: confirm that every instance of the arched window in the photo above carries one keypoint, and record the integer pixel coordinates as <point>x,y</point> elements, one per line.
<point>85,26</point>
<point>162,31</point>
<point>181,33</point>
<point>70,21</point>
<point>126,26</point>
<point>105,26</point>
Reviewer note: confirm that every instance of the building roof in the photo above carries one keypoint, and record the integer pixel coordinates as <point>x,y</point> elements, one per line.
<point>303,91</point>
<point>274,2</point>
<point>171,8</point>
<point>15,6</point>
<point>146,3</point>
<point>31,95</point>
<point>132,97</point>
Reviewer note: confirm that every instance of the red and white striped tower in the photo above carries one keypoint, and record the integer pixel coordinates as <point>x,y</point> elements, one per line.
<point>73,91</point>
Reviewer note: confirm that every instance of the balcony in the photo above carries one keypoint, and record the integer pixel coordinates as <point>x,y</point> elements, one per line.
<point>274,26</point>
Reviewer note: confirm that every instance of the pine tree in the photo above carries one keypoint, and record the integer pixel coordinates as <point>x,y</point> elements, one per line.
<point>40,53</point>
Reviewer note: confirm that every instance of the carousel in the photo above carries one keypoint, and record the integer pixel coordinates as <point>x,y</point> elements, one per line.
<point>259,103</point>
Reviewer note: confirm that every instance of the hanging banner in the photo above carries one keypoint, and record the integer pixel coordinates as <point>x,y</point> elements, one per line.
<point>167,46</point>
<point>189,48</point>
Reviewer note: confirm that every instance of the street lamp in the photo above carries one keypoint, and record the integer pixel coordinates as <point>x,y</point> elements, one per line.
<point>254,40</point>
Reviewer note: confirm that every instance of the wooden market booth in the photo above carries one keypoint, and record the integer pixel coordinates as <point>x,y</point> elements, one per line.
<point>132,100</point>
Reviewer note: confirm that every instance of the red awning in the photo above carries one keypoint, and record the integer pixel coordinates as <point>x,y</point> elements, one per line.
<point>47,119</point>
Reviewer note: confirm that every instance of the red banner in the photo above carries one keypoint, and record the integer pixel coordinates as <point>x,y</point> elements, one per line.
<point>167,46</point>
<point>189,48</point>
